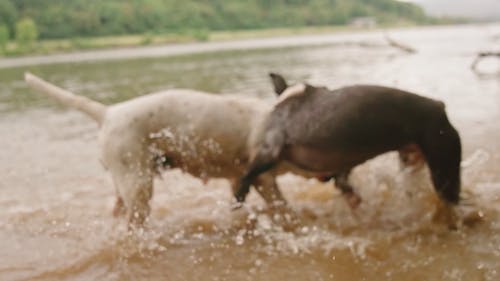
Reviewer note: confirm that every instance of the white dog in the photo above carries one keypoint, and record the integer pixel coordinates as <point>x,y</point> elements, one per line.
<point>203,134</point>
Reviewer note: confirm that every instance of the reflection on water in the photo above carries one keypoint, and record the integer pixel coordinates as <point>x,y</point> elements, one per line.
<point>56,199</point>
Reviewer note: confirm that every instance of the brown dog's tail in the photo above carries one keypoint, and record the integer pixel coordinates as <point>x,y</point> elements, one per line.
<point>90,107</point>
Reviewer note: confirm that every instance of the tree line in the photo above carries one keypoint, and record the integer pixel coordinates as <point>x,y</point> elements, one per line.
<point>81,18</point>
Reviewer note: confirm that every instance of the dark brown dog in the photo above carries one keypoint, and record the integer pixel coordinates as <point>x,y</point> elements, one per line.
<point>331,131</point>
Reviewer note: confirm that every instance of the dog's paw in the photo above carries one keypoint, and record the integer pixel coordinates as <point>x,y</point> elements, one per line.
<point>352,199</point>
<point>236,205</point>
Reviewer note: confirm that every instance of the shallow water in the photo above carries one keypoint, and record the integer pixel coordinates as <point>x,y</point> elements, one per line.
<point>56,198</point>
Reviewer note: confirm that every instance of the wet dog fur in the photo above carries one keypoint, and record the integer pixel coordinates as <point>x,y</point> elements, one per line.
<point>203,134</point>
<point>331,131</point>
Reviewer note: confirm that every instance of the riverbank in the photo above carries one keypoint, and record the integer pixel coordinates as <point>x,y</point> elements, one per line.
<point>113,48</point>
<point>66,46</point>
<point>127,47</point>
<point>55,46</point>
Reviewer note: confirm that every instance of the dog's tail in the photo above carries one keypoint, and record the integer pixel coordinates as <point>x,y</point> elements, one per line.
<point>92,108</point>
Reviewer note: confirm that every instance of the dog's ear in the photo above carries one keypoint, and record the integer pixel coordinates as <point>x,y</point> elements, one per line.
<point>279,83</point>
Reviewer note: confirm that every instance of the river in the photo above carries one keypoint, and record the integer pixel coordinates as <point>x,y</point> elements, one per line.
<point>56,198</point>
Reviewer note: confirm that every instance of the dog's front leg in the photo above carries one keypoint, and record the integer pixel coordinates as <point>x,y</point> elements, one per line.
<point>268,189</point>
<point>281,212</point>
<point>266,155</point>
<point>342,183</point>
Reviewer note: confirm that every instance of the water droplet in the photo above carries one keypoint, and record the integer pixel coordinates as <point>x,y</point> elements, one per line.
<point>239,240</point>
<point>304,230</point>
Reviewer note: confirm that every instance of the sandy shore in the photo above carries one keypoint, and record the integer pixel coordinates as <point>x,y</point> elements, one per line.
<point>193,48</point>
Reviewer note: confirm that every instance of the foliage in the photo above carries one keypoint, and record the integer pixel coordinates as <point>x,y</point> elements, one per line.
<point>147,38</point>
<point>26,33</point>
<point>8,15</point>
<point>4,37</point>
<point>80,18</point>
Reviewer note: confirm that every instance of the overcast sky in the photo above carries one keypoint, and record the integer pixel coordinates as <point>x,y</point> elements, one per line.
<point>482,9</point>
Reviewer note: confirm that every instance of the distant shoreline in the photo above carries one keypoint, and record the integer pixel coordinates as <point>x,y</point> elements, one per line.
<point>222,42</point>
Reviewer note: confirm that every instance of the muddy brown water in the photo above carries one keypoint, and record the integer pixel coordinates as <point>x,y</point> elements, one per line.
<point>56,198</point>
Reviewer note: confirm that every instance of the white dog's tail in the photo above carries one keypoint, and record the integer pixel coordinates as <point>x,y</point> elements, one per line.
<point>92,108</point>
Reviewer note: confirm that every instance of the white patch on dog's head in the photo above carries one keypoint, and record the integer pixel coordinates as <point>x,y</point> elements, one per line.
<point>292,91</point>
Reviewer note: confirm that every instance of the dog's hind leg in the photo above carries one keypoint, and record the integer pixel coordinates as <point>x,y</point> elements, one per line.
<point>132,168</point>
<point>136,190</point>
<point>342,183</point>
<point>131,165</point>
<point>119,209</point>
<point>139,207</point>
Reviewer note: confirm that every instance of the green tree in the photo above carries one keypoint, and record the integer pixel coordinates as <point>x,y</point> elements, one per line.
<point>8,14</point>
<point>26,33</point>
<point>4,37</point>
<point>80,18</point>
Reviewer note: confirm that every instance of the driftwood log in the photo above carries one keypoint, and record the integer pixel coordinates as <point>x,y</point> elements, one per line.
<point>482,55</point>
<point>400,45</point>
